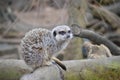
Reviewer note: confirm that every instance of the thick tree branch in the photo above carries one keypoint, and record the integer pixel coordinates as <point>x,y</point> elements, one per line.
<point>96,38</point>
<point>100,40</point>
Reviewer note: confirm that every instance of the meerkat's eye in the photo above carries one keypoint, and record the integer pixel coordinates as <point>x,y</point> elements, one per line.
<point>62,32</point>
<point>69,31</point>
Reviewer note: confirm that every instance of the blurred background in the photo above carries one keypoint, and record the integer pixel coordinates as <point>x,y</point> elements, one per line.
<point>19,16</point>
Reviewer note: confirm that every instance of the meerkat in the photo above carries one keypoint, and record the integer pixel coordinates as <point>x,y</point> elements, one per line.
<point>39,46</point>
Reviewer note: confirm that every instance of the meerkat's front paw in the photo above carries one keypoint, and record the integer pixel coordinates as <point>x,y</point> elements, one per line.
<point>59,63</point>
<point>49,63</point>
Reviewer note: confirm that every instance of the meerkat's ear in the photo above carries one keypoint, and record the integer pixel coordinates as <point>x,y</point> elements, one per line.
<point>54,33</point>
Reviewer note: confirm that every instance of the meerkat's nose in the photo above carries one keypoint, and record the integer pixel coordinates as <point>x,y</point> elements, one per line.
<point>68,36</point>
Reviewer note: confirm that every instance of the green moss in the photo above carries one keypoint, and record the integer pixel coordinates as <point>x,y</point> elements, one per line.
<point>72,76</point>
<point>111,72</point>
<point>114,65</point>
<point>9,75</point>
<point>89,75</point>
<point>78,48</point>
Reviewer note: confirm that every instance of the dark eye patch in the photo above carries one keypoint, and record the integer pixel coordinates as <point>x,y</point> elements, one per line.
<point>69,31</point>
<point>54,33</point>
<point>62,32</point>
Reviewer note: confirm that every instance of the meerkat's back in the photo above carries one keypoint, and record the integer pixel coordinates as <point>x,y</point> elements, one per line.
<point>34,46</point>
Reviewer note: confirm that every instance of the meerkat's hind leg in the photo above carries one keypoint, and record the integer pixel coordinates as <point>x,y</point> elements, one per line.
<point>59,63</point>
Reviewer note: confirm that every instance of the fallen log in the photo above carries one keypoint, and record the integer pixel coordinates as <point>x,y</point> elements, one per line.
<point>12,69</point>
<point>74,68</point>
<point>16,69</point>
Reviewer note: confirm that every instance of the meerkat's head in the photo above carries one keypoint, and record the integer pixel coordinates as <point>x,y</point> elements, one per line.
<point>62,33</point>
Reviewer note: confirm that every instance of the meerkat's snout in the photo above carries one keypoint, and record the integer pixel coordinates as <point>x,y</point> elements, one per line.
<point>68,36</point>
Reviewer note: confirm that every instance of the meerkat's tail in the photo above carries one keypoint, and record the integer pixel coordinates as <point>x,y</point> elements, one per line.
<point>59,63</point>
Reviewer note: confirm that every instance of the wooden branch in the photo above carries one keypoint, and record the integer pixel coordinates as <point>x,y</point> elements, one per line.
<point>115,7</point>
<point>96,38</point>
<point>99,26</point>
<point>100,40</point>
<point>108,16</point>
<point>114,37</point>
<point>10,41</point>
